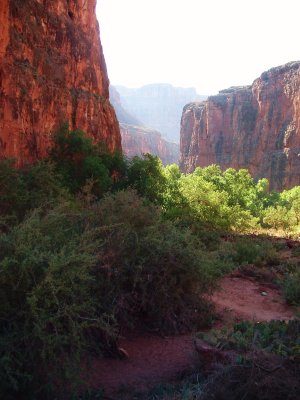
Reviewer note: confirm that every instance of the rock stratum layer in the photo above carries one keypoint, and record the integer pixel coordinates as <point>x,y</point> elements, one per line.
<point>255,127</point>
<point>52,70</point>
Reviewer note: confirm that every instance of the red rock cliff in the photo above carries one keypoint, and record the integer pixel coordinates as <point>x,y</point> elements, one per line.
<point>255,127</point>
<point>52,70</point>
<point>137,140</point>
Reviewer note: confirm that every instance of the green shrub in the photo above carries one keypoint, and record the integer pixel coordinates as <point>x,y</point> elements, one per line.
<point>278,217</point>
<point>254,251</point>
<point>146,255</point>
<point>77,160</point>
<point>291,287</point>
<point>145,175</point>
<point>47,309</point>
<point>24,189</point>
<point>72,276</point>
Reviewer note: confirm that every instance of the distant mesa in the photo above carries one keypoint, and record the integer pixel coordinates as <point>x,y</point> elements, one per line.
<point>255,127</point>
<point>52,70</point>
<point>137,138</point>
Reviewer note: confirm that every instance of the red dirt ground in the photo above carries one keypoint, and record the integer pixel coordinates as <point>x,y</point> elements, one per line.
<point>241,297</point>
<point>153,360</point>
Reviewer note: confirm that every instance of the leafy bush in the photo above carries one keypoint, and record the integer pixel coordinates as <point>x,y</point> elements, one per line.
<point>291,287</point>
<point>145,175</point>
<point>47,309</point>
<point>278,218</point>
<point>72,276</point>
<point>22,190</point>
<point>256,251</point>
<point>211,206</point>
<point>145,256</point>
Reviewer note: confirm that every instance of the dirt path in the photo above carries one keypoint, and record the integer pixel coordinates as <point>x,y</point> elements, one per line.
<point>242,297</point>
<point>154,360</point>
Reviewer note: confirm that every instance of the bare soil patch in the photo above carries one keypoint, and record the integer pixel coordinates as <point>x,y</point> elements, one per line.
<point>153,360</point>
<point>241,297</point>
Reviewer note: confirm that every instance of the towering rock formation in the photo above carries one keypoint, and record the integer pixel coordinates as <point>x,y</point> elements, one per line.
<point>138,139</point>
<point>159,106</point>
<point>52,70</point>
<point>255,127</point>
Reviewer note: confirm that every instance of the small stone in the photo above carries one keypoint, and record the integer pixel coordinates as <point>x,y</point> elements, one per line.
<point>122,353</point>
<point>264,293</point>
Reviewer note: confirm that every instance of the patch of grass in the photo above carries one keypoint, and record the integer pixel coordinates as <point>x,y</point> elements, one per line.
<point>291,287</point>
<point>278,337</point>
<point>264,377</point>
<point>288,266</point>
<point>257,251</point>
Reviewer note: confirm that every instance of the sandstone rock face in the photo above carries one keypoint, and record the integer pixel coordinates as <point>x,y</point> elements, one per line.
<point>159,106</point>
<point>137,140</point>
<point>255,127</point>
<point>52,70</point>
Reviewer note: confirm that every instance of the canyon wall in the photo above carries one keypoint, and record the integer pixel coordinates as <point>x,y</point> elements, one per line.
<point>255,127</point>
<point>52,70</point>
<point>137,140</point>
<point>159,106</point>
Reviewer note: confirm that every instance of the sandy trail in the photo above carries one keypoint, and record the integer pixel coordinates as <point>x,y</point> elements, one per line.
<point>154,360</point>
<point>242,297</point>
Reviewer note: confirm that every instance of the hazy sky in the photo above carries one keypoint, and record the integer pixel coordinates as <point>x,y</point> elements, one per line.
<point>210,44</point>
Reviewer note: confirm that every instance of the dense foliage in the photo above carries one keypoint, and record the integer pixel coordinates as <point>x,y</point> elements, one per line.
<point>92,243</point>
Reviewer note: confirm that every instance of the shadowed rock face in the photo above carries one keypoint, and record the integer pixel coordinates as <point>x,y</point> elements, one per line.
<point>52,70</point>
<point>255,127</point>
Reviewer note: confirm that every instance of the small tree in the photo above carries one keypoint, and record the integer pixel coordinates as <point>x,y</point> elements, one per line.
<point>146,176</point>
